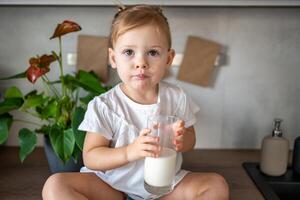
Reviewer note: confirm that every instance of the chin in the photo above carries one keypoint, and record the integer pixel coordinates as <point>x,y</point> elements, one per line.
<point>142,85</point>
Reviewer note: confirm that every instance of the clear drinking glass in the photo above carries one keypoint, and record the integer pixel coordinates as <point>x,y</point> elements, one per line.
<point>159,172</point>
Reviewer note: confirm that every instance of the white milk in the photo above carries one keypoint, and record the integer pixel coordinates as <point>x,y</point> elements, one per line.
<point>160,171</point>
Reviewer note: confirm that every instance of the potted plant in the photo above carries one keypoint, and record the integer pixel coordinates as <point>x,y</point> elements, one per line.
<point>58,106</point>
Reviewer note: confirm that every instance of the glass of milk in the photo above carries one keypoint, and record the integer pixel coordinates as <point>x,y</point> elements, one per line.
<point>159,172</point>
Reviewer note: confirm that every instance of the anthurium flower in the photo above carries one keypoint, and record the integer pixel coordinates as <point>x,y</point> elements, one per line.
<point>38,67</point>
<point>64,28</point>
<point>58,104</point>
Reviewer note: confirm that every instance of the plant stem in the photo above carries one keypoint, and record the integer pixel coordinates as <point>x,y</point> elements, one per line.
<point>52,88</point>
<point>76,96</point>
<point>33,114</point>
<point>28,122</point>
<point>61,68</point>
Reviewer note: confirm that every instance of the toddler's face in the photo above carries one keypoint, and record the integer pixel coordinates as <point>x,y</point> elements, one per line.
<point>141,57</point>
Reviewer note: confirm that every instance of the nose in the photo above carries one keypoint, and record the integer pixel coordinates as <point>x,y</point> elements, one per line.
<point>141,62</point>
<point>141,66</point>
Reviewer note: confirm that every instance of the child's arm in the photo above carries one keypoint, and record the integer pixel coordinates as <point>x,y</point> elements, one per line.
<point>98,155</point>
<point>184,137</point>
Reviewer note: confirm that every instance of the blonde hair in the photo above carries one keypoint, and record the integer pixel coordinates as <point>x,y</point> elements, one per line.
<point>132,17</point>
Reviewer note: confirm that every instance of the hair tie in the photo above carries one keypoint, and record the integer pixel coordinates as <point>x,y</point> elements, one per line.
<point>160,9</point>
<point>120,5</point>
<point>121,8</point>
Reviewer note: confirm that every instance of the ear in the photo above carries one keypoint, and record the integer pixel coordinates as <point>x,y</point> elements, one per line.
<point>171,55</point>
<point>111,55</point>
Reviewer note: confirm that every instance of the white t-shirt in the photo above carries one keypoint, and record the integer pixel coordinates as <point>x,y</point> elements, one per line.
<point>119,119</point>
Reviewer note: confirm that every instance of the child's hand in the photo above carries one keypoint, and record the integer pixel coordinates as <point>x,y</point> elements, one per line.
<point>144,146</point>
<point>179,131</point>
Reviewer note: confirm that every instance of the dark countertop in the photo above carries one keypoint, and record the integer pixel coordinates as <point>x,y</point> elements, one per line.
<point>25,181</point>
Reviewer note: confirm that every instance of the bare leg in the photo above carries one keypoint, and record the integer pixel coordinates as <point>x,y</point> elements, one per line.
<point>70,186</point>
<point>204,186</point>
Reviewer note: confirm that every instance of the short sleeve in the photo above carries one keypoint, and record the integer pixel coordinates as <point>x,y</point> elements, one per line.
<point>97,119</point>
<point>187,109</point>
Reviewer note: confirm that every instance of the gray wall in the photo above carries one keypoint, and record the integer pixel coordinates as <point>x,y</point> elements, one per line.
<point>259,82</point>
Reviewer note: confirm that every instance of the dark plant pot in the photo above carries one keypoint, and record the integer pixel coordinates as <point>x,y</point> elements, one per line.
<point>54,162</point>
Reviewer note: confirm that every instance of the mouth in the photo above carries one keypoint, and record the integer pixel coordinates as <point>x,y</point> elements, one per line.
<point>140,76</point>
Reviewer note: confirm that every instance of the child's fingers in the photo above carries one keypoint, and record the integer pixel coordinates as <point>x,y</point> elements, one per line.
<point>151,147</point>
<point>155,125</point>
<point>178,147</point>
<point>151,150</point>
<point>179,138</point>
<point>179,131</point>
<point>150,154</point>
<point>145,132</point>
<point>150,139</point>
<point>178,124</point>
<point>178,142</point>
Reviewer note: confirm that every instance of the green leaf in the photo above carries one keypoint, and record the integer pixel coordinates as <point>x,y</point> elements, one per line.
<point>65,106</point>
<point>63,142</point>
<point>76,120</point>
<point>31,93</point>
<point>5,123</point>
<point>20,75</point>
<point>33,101</point>
<point>77,153</point>
<point>89,82</point>
<point>69,81</point>
<point>45,129</point>
<point>56,139</point>
<point>69,141</point>
<point>10,104</point>
<point>85,100</point>
<point>27,141</point>
<point>13,92</point>
<point>50,110</point>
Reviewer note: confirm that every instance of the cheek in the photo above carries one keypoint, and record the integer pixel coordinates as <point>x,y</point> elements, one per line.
<point>158,65</point>
<point>159,60</point>
<point>123,58</point>
<point>158,73</point>
<point>123,73</point>
<point>123,62</point>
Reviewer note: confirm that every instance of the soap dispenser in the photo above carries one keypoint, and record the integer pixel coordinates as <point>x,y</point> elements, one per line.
<point>274,152</point>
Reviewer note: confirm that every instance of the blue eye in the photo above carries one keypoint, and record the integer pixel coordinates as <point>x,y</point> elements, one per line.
<point>153,53</point>
<point>128,52</point>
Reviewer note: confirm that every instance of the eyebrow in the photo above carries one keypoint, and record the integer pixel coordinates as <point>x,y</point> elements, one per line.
<point>156,46</point>
<point>131,46</point>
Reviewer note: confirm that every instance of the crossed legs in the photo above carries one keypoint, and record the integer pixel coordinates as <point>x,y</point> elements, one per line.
<point>194,186</point>
<point>202,186</point>
<point>79,186</point>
